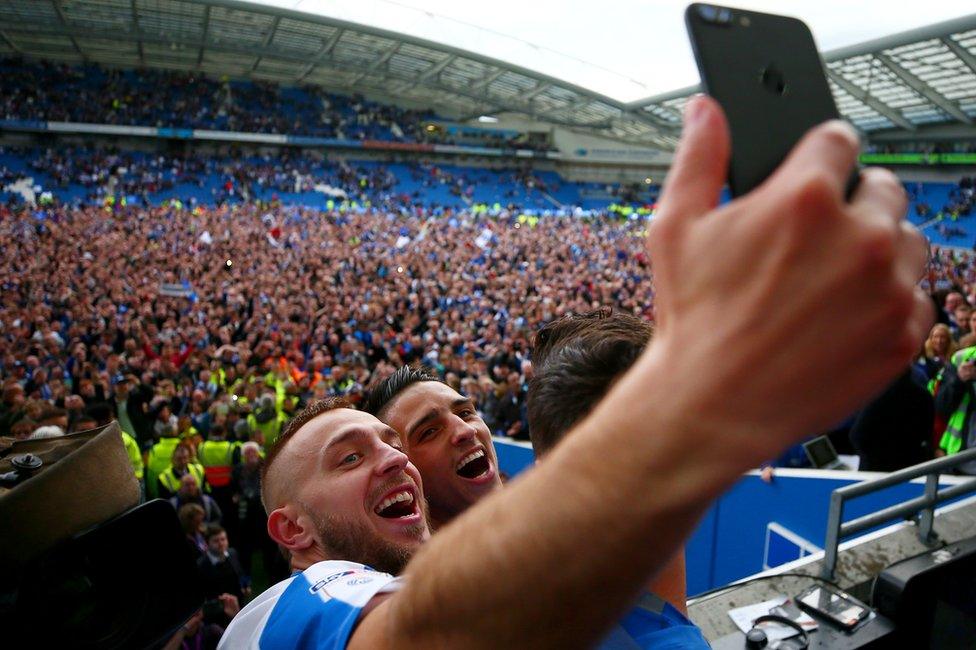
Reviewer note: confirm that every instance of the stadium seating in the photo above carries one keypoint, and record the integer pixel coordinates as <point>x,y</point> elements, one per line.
<point>66,173</point>
<point>43,91</point>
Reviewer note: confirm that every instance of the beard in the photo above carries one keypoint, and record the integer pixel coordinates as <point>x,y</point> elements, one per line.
<point>347,539</point>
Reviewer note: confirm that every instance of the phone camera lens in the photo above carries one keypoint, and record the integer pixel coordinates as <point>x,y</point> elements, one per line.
<point>708,12</point>
<point>715,15</point>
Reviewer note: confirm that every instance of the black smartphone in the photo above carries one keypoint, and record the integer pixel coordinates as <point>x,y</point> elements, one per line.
<point>213,611</point>
<point>833,605</point>
<point>766,73</point>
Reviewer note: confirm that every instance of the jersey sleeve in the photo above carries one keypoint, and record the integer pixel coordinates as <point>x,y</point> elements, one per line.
<point>321,607</point>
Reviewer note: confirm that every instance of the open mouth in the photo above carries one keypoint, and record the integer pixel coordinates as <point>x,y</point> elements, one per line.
<point>473,465</point>
<point>397,505</point>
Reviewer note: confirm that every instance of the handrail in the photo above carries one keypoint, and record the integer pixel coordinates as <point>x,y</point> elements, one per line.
<point>836,530</point>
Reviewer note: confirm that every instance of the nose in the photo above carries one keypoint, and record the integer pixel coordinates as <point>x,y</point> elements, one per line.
<point>392,460</point>
<point>463,432</point>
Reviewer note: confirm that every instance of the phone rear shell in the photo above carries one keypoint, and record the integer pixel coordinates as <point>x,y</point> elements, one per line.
<point>764,124</point>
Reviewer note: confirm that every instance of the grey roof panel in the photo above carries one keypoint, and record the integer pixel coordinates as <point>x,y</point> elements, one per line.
<point>904,81</point>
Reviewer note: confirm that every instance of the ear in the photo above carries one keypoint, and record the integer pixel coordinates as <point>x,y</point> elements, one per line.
<point>288,528</point>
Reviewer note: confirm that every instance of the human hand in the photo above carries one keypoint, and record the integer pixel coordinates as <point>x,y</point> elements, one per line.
<point>230,604</point>
<point>811,304</point>
<point>967,371</point>
<point>192,626</point>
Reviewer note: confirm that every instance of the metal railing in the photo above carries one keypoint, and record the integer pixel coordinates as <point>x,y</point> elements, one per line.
<point>926,504</point>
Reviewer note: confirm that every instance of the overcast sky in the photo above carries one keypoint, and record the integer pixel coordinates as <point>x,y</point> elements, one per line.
<point>625,49</point>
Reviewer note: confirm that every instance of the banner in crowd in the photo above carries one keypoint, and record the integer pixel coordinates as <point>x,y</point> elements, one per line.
<point>176,290</point>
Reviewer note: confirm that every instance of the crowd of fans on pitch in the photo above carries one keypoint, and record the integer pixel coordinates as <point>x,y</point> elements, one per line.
<point>218,323</point>
<point>202,326</point>
<point>203,329</point>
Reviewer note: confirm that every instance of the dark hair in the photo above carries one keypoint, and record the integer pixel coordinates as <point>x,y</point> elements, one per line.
<point>310,412</point>
<point>100,412</point>
<point>384,392</point>
<point>84,422</point>
<point>213,530</point>
<point>581,359</point>
<point>604,322</point>
<point>185,446</point>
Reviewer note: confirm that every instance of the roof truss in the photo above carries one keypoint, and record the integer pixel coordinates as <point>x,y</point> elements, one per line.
<point>903,83</point>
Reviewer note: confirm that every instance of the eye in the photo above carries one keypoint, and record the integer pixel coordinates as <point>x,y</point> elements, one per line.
<point>349,459</point>
<point>426,434</point>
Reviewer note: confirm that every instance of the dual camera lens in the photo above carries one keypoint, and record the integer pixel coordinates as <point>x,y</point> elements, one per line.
<point>717,15</point>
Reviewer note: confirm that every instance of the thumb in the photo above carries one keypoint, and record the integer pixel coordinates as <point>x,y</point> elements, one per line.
<point>701,161</point>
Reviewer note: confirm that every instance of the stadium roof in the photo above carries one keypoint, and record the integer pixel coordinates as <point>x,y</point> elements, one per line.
<point>911,84</point>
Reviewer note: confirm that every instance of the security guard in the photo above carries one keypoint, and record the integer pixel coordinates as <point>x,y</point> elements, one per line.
<point>267,420</point>
<point>135,456</point>
<point>160,457</point>
<point>217,455</point>
<point>169,479</point>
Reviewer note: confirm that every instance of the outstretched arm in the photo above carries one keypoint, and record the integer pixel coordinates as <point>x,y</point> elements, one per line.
<point>812,306</point>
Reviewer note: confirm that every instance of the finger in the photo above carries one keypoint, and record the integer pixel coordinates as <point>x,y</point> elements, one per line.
<point>701,161</point>
<point>913,252</point>
<point>922,318</point>
<point>828,151</point>
<point>881,192</point>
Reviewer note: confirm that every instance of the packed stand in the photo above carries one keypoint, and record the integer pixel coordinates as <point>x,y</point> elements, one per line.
<point>57,92</point>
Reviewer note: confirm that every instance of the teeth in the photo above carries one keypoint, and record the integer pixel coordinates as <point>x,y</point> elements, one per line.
<point>470,457</point>
<point>395,498</point>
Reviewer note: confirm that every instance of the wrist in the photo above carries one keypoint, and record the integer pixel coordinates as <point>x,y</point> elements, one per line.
<point>680,423</point>
<point>650,432</point>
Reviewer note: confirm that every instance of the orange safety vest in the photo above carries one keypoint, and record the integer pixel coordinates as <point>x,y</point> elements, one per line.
<point>217,458</point>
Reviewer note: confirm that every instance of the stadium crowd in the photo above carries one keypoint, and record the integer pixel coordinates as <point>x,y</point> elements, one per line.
<point>204,326</point>
<point>212,307</point>
<point>177,315</point>
<point>203,329</point>
<point>57,92</point>
<point>218,323</point>
<point>41,90</point>
<point>193,324</point>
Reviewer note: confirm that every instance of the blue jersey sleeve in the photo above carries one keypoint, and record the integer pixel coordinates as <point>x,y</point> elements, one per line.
<point>655,624</point>
<point>321,614</point>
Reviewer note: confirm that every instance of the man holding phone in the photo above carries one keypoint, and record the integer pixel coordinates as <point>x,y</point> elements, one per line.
<point>557,557</point>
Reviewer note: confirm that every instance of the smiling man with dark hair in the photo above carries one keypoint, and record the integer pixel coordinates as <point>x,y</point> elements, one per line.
<point>444,437</point>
